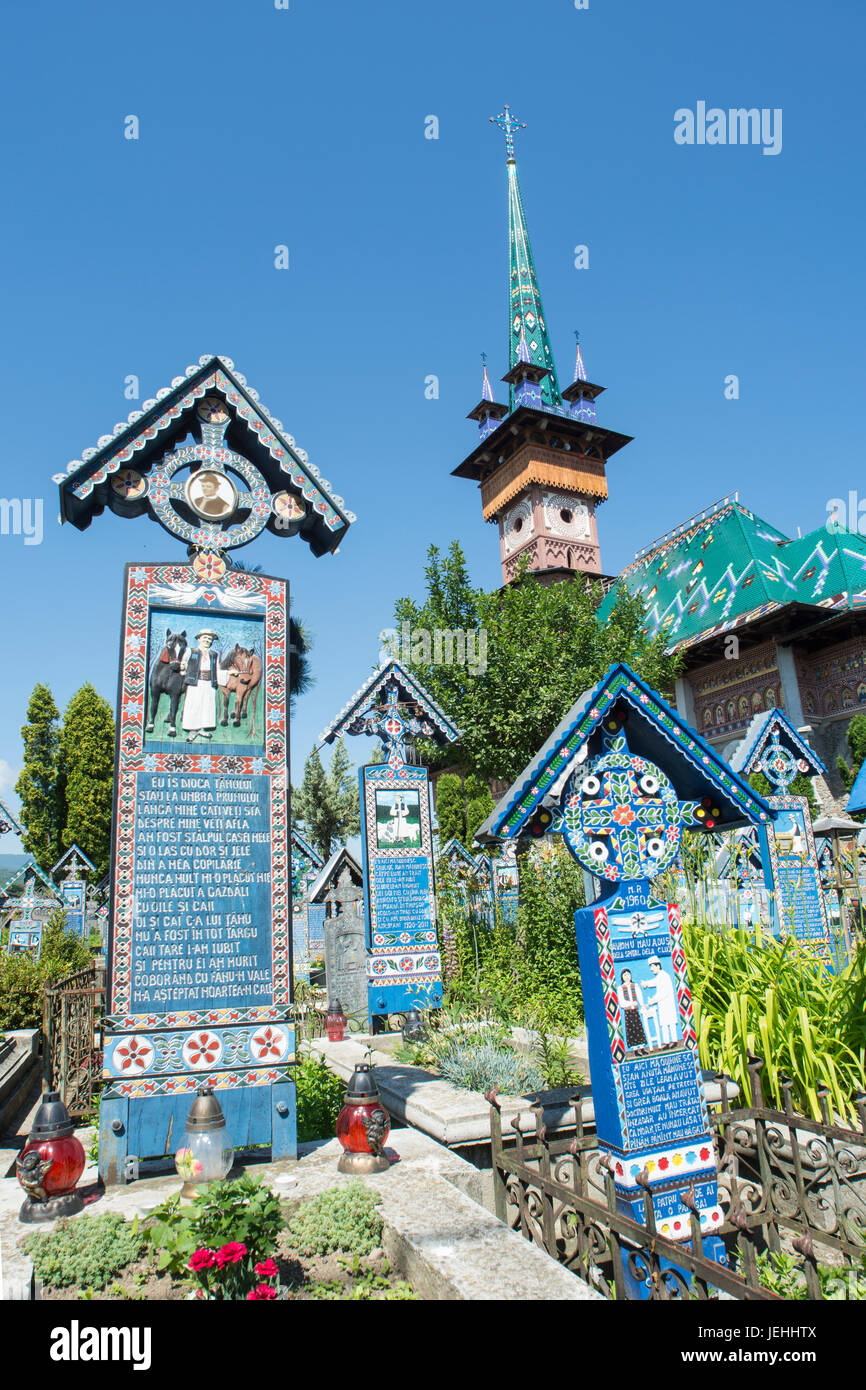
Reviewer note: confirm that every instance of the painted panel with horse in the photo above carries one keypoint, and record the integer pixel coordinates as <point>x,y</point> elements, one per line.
<point>204,681</point>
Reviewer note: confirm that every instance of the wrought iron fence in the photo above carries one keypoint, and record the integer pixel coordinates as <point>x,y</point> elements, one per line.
<point>72,1014</point>
<point>792,1189</point>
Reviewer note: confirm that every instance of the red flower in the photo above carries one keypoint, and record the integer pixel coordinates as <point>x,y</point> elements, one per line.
<point>267,1269</point>
<point>202,1259</point>
<point>705,1153</point>
<point>261,1291</point>
<point>230,1254</point>
<point>663,1164</point>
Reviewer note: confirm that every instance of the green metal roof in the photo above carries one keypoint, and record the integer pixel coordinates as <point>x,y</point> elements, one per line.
<point>726,567</point>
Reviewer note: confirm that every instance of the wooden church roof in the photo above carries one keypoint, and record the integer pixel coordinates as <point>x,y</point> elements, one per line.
<point>727,567</point>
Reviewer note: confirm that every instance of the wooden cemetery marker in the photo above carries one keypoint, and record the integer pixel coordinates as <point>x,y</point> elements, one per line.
<point>621,778</point>
<point>773,746</point>
<point>200,931</point>
<point>27,913</point>
<point>404,965</point>
<point>73,886</point>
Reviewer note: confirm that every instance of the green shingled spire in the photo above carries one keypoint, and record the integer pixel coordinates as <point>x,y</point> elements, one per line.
<point>526,309</point>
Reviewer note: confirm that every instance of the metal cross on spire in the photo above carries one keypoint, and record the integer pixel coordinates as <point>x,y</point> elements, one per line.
<point>508,122</point>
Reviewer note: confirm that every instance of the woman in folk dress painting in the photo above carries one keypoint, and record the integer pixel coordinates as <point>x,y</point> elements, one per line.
<point>631,1002</point>
<point>202,675</point>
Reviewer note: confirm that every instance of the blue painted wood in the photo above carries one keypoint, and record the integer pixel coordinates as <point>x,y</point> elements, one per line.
<point>113,1147</point>
<point>284,1120</point>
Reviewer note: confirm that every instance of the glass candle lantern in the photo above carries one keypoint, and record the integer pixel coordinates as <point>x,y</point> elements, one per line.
<point>363,1125</point>
<point>336,1021</point>
<point>51,1163</point>
<point>206,1152</point>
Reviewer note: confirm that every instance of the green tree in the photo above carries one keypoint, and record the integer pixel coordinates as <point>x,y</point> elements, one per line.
<point>479,804</point>
<point>537,649</point>
<point>40,785</point>
<point>450,808</point>
<point>326,803</point>
<point>87,762</point>
<point>856,739</point>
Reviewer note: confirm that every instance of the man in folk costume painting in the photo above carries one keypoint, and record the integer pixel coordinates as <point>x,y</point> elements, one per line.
<point>202,677</point>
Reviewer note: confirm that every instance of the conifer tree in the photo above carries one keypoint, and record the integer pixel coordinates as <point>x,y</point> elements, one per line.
<point>87,764</point>
<point>42,812</point>
<point>326,803</point>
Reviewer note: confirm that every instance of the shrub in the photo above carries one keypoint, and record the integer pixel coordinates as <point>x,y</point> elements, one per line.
<point>23,978</point>
<point>88,1251</point>
<point>241,1211</point>
<point>479,1064</point>
<point>320,1100</point>
<point>753,994</point>
<point>343,1218</point>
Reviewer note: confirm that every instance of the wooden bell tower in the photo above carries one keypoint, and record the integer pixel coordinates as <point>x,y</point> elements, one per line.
<point>541,460</point>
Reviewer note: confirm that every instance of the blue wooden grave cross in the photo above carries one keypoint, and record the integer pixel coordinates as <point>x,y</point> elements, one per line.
<point>622,778</point>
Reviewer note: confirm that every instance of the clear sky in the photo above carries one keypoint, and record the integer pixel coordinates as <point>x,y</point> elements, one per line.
<point>306,127</point>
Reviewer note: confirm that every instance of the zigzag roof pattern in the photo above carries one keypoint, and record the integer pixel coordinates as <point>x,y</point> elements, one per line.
<point>727,567</point>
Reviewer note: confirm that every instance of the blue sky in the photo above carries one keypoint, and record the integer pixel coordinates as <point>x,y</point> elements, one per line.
<point>305,127</point>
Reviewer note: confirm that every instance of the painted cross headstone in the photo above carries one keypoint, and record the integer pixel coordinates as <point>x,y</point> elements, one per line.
<point>26,913</point>
<point>621,778</point>
<point>73,886</point>
<point>772,746</point>
<point>506,883</point>
<point>404,966</point>
<point>200,940</point>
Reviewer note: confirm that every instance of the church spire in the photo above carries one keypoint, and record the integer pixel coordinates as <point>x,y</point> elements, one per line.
<point>526,311</point>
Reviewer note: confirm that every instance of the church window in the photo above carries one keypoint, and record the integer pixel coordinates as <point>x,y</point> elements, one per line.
<point>566,514</point>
